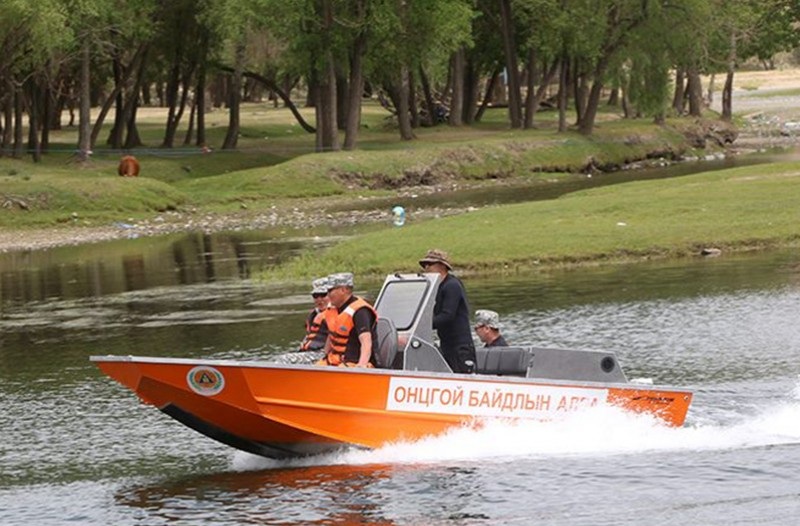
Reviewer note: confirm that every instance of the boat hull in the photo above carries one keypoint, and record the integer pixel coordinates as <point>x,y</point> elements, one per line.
<point>283,411</point>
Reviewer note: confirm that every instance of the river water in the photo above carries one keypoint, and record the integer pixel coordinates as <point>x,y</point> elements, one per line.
<point>77,448</point>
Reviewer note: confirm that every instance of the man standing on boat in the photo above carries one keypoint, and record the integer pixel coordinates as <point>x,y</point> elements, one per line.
<point>487,327</point>
<point>451,314</point>
<point>316,326</point>
<point>352,331</point>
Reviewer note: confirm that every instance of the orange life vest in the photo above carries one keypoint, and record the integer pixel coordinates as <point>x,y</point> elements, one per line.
<point>316,333</point>
<point>340,331</point>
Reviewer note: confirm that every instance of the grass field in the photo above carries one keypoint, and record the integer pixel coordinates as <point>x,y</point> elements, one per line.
<point>749,207</point>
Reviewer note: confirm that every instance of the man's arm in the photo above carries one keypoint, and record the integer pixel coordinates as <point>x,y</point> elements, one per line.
<point>365,338</point>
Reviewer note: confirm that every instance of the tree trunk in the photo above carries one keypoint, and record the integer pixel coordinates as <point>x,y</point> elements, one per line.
<point>430,105</point>
<point>538,96</point>
<point>487,96</point>
<point>563,82</point>
<point>19,146</point>
<point>8,120</point>
<point>512,71</point>
<point>613,98</point>
<point>727,97</point>
<point>677,98</point>
<point>727,92</point>
<point>471,78</point>
<point>200,103</point>
<point>7,126</point>
<point>695,89</point>
<point>356,90</point>
<point>325,109</point>
<point>138,57</point>
<point>342,99</point>
<point>581,89</point>
<point>115,135</point>
<point>173,85</point>
<point>187,140</point>
<point>403,114</point>
<point>457,66</point>
<point>586,124</point>
<point>85,138</point>
<point>234,99</point>
<point>34,112</point>
<point>530,102</point>
<point>412,100</point>
<point>132,139</point>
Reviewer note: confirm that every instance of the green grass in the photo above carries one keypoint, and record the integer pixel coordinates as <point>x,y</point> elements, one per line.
<point>275,164</point>
<point>742,207</point>
<point>793,92</point>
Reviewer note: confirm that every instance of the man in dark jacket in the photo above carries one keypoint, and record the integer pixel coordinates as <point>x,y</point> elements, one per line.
<point>451,314</point>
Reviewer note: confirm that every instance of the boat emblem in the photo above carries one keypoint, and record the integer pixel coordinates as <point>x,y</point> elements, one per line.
<point>206,381</point>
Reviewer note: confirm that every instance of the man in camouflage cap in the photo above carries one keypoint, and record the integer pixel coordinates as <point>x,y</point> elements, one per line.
<point>316,326</point>
<point>487,327</point>
<point>351,325</point>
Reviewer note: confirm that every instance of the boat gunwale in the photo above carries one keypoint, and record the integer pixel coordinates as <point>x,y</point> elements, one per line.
<point>264,364</point>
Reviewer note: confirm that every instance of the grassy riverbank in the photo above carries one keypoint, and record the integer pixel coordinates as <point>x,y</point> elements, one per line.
<point>275,166</point>
<point>275,174</point>
<point>749,207</point>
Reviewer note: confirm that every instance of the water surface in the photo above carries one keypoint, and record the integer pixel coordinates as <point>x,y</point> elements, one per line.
<point>79,449</point>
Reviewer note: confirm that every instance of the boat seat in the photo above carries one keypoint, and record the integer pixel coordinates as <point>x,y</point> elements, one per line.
<point>386,346</point>
<point>504,361</point>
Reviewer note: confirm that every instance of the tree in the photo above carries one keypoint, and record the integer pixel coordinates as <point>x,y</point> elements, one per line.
<point>29,34</point>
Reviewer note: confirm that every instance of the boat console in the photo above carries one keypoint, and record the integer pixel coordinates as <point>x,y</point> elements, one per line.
<point>406,341</point>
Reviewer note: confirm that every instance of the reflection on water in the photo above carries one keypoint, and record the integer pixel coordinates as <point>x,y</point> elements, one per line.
<point>130,265</point>
<point>331,494</point>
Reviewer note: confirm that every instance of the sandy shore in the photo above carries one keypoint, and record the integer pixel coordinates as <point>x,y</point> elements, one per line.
<point>176,222</point>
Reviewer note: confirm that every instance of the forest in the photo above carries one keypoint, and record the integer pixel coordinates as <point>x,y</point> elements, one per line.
<point>92,64</point>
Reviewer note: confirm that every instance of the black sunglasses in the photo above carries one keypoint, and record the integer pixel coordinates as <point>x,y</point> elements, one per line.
<point>319,295</point>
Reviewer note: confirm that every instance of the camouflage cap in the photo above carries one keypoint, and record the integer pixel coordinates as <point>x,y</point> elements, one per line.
<point>341,279</point>
<point>319,286</point>
<point>435,255</point>
<point>487,317</point>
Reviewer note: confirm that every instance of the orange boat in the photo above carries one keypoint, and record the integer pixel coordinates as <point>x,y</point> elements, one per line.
<point>285,410</point>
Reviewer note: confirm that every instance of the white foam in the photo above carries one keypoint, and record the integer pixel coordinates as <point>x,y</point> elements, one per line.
<point>593,431</point>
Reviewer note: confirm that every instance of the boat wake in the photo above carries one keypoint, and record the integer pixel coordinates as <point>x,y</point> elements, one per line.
<point>593,431</point>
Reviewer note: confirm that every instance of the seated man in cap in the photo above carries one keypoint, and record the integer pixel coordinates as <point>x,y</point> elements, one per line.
<point>352,329</point>
<point>316,326</point>
<point>487,327</point>
<point>451,314</point>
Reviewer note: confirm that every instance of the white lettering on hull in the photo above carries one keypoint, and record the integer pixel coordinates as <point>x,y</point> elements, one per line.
<point>495,399</point>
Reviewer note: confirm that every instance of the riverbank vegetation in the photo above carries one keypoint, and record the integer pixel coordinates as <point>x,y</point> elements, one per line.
<point>736,209</point>
<point>276,166</point>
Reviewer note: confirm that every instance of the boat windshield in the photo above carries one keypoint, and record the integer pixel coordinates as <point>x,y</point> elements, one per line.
<point>400,301</point>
